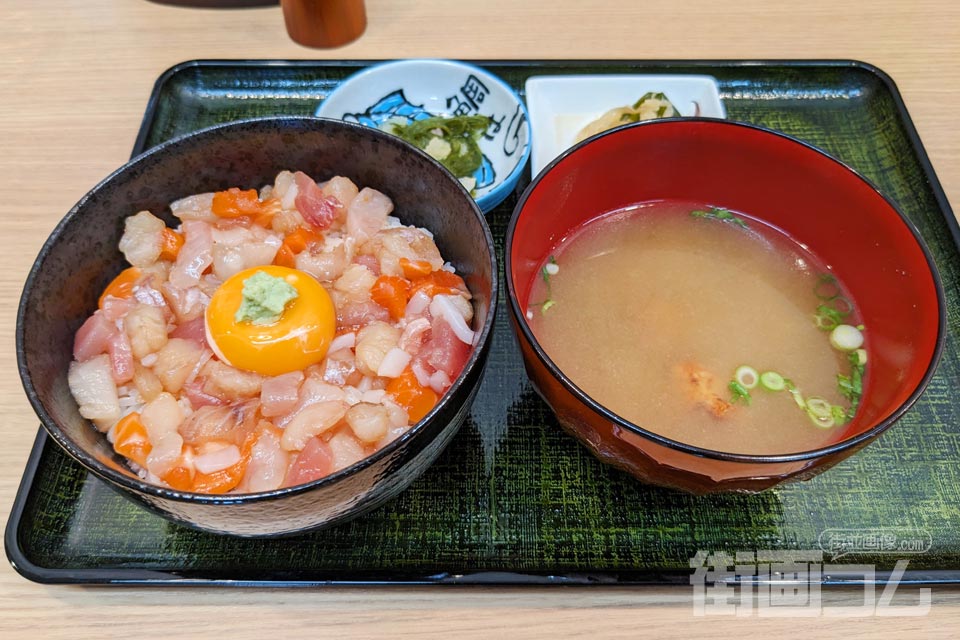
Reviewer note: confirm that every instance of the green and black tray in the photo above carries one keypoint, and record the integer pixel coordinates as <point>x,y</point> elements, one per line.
<point>513,499</point>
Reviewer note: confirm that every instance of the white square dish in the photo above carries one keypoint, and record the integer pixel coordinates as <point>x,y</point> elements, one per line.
<point>560,106</point>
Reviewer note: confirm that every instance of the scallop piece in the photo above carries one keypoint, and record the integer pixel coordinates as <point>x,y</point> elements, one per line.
<point>142,239</point>
<point>312,421</point>
<point>146,328</point>
<point>355,283</point>
<point>374,341</point>
<point>369,422</point>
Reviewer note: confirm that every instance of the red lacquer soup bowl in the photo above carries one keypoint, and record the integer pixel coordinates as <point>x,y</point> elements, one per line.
<point>818,201</point>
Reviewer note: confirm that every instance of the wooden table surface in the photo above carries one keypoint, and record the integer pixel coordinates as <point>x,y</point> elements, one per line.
<point>74,79</point>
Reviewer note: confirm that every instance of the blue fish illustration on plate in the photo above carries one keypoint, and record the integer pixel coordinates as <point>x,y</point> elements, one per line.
<point>396,105</point>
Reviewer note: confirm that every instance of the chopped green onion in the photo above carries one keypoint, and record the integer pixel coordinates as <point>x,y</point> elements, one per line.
<point>772,381</point>
<point>739,392</point>
<point>820,412</point>
<point>824,323</point>
<point>822,422</point>
<point>827,318</point>
<point>747,376</point>
<point>819,407</point>
<point>845,337</point>
<point>839,414</point>
<point>827,287</point>
<point>550,268</point>
<point>716,213</point>
<point>842,305</point>
<point>794,393</point>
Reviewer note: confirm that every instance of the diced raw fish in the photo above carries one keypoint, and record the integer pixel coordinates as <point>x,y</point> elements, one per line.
<point>217,459</point>
<point>121,358</point>
<point>340,367</point>
<point>374,341</point>
<point>93,337</point>
<point>389,245</point>
<point>165,453</point>
<point>186,304</point>
<point>444,351</point>
<point>114,308</point>
<point>91,383</point>
<point>142,239</point>
<point>369,422</point>
<point>228,382</point>
<point>195,255</point>
<point>445,307</point>
<point>367,214</point>
<point>198,397</point>
<point>413,335</point>
<point>346,450</point>
<point>192,330</point>
<point>355,283</point>
<point>161,416</point>
<point>342,189</point>
<point>311,421</point>
<point>358,314</point>
<point>195,207</point>
<point>220,423</point>
<point>176,361</point>
<point>279,395</point>
<point>146,382</point>
<point>317,209</point>
<point>313,462</point>
<point>146,328</point>
<point>325,262</point>
<point>370,262</point>
<point>268,463</point>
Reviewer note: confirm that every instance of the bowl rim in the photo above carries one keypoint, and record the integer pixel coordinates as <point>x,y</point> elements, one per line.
<point>500,191</point>
<point>703,452</point>
<point>135,485</point>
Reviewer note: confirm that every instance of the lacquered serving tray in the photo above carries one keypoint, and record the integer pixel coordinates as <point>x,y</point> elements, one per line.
<point>515,500</point>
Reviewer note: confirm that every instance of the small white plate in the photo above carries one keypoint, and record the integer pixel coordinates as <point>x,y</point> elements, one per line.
<point>560,106</point>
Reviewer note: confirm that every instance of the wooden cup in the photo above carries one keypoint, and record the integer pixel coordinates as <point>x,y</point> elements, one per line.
<point>324,23</point>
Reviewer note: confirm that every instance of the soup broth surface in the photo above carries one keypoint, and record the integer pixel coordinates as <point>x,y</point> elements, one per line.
<point>655,309</point>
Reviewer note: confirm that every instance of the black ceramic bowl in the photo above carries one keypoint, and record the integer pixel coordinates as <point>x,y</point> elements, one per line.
<point>81,257</point>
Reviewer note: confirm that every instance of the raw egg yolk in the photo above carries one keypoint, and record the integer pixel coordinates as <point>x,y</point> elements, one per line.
<point>298,339</point>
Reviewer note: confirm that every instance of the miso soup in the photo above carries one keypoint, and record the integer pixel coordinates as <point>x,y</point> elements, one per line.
<point>705,326</point>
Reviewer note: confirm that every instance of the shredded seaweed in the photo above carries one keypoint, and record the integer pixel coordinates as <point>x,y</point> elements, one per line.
<point>461,133</point>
